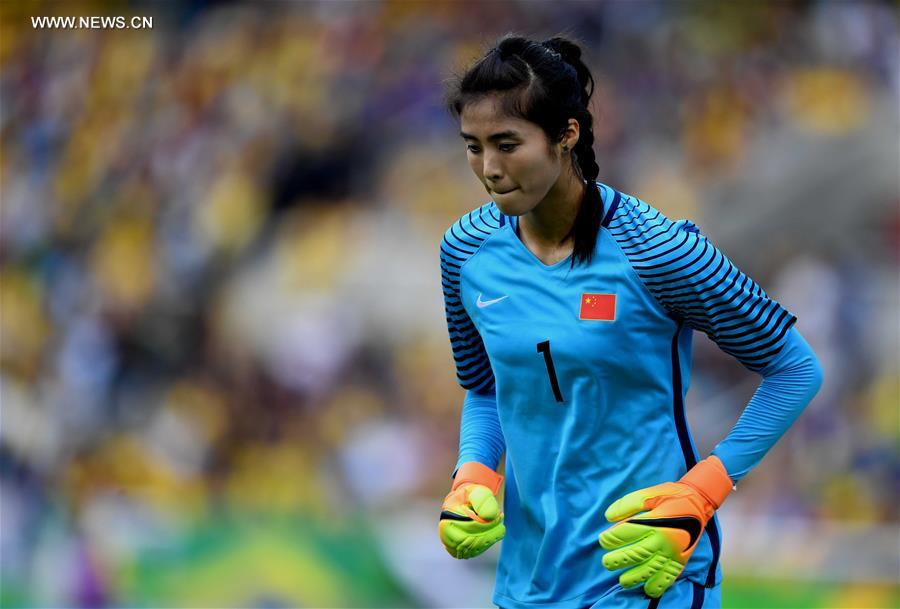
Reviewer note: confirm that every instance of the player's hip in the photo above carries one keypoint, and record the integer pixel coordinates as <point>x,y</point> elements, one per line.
<point>566,572</point>
<point>685,594</point>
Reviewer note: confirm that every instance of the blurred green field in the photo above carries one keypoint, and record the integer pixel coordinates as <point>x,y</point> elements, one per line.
<point>246,560</point>
<point>751,593</point>
<point>271,560</point>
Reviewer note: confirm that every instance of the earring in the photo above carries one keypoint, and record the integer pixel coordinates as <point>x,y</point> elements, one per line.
<point>565,148</point>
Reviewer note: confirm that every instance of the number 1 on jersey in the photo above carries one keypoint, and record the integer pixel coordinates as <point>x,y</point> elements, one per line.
<point>544,347</point>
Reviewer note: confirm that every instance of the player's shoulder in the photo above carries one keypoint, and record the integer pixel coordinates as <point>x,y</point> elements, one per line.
<point>466,235</point>
<point>630,215</point>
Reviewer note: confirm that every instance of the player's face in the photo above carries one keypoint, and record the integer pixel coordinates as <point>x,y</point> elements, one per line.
<point>511,156</point>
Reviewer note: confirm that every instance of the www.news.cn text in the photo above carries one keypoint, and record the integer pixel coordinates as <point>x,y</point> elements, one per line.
<point>96,22</point>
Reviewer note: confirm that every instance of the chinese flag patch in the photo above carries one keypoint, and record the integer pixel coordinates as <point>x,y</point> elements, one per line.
<point>601,307</point>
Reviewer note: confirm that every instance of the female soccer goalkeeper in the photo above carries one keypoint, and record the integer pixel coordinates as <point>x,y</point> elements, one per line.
<point>571,307</point>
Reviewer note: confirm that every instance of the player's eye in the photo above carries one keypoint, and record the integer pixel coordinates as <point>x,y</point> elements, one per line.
<point>507,147</point>
<point>472,148</point>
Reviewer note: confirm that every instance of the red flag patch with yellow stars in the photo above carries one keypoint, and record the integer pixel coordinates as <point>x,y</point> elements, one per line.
<point>601,307</point>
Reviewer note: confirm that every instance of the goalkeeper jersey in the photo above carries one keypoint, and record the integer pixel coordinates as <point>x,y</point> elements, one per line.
<point>590,365</point>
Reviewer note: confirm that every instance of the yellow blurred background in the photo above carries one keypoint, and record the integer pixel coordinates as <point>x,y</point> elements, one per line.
<point>226,379</point>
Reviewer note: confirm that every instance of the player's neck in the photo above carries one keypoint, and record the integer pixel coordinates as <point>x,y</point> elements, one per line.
<point>549,222</point>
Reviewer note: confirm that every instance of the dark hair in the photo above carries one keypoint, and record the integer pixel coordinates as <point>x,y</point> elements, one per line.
<point>545,83</point>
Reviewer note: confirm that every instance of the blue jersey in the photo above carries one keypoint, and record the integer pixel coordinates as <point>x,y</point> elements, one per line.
<point>590,365</point>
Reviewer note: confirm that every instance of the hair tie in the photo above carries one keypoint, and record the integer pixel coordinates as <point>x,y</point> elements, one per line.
<point>555,54</point>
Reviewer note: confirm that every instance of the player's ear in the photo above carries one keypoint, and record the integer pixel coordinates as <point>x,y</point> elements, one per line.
<point>570,136</point>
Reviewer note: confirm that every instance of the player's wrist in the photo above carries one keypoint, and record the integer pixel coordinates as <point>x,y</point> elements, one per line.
<point>710,479</point>
<point>473,472</point>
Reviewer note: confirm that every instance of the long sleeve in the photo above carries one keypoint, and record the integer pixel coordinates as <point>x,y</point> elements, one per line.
<point>789,383</point>
<point>480,436</point>
<point>696,283</point>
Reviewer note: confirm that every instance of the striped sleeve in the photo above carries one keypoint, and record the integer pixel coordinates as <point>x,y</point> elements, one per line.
<point>697,283</point>
<point>461,241</point>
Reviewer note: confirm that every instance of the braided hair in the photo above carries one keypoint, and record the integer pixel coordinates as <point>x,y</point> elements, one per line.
<point>545,83</point>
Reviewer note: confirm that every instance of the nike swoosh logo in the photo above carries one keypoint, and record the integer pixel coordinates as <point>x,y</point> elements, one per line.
<point>448,515</point>
<point>486,303</point>
<point>685,523</point>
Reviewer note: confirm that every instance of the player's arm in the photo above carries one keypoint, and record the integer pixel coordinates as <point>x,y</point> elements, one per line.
<point>697,284</point>
<point>790,381</point>
<point>471,520</point>
<point>480,436</point>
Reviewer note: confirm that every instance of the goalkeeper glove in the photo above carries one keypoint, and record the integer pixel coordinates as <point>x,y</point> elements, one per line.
<point>659,526</point>
<point>471,520</point>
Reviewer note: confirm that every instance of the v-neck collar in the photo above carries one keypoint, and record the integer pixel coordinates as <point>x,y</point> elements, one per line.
<point>514,227</point>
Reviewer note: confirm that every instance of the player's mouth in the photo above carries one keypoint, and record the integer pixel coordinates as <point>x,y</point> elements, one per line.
<point>505,192</point>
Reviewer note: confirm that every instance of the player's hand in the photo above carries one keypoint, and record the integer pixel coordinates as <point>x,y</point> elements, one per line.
<point>471,519</point>
<point>659,526</point>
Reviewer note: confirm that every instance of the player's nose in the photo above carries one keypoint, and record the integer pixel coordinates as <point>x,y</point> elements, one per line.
<point>493,171</point>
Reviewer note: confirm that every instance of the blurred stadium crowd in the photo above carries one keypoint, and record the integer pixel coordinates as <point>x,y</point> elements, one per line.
<point>225,373</point>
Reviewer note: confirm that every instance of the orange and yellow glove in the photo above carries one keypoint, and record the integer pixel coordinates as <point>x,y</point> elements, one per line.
<point>471,520</point>
<point>659,526</point>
